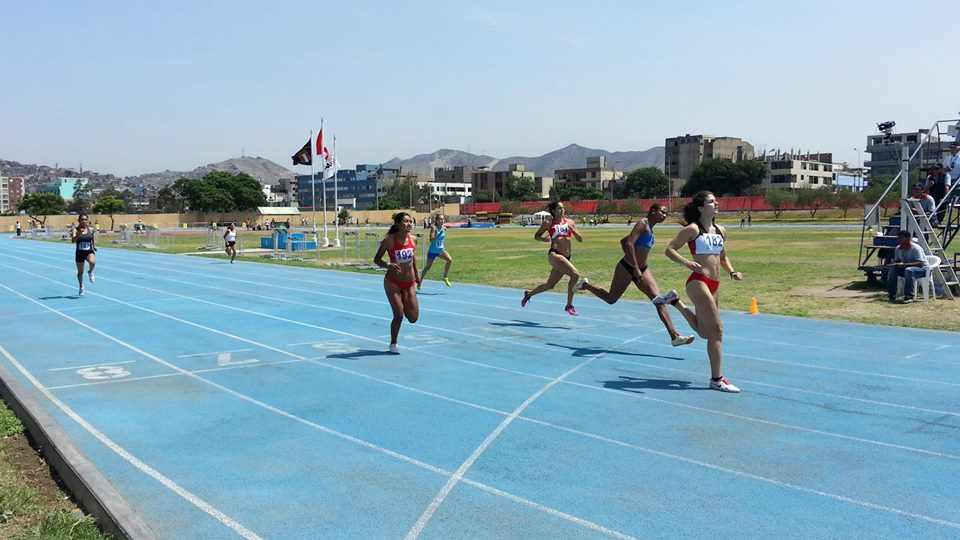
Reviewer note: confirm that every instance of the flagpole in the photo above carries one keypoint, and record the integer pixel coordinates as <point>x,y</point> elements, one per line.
<point>323,174</point>
<point>336,212</point>
<point>313,190</point>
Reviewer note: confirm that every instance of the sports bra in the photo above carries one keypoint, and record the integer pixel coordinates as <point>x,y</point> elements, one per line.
<point>646,239</point>
<point>402,254</point>
<point>560,230</point>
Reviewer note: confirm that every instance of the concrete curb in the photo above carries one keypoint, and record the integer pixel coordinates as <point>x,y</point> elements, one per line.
<point>95,494</point>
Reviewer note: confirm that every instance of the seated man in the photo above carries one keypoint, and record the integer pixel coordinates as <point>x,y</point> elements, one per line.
<point>926,202</point>
<point>908,262</point>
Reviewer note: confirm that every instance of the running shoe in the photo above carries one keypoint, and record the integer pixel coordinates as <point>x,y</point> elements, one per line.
<point>81,292</point>
<point>571,311</point>
<point>580,283</point>
<point>723,385</point>
<point>90,275</point>
<point>419,285</point>
<point>668,297</point>
<point>446,281</point>
<point>394,349</point>
<point>526,298</point>
<point>682,340</point>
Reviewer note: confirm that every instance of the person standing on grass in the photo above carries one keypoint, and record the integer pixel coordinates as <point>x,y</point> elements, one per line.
<point>632,268</point>
<point>230,241</point>
<point>560,229</point>
<point>705,240</point>
<point>401,274</point>
<point>437,235</point>
<point>83,237</point>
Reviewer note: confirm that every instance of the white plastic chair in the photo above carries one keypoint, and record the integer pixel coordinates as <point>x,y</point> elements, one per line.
<point>926,282</point>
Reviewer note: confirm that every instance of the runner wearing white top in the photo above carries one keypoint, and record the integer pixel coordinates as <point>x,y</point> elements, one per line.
<point>230,241</point>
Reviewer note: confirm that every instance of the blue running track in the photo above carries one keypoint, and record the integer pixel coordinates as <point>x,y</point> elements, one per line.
<point>199,399</point>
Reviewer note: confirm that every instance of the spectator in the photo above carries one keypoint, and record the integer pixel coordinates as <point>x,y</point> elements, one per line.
<point>938,184</point>
<point>908,263</point>
<point>926,202</point>
<point>749,219</point>
<point>18,228</point>
<point>951,163</point>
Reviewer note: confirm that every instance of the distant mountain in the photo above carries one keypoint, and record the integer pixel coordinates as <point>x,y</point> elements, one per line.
<point>264,170</point>
<point>570,157</point>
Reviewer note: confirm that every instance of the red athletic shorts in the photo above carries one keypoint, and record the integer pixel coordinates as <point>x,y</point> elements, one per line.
<point>712,284</point>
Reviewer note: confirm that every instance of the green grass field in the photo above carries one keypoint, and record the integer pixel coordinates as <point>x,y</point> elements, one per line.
<point>805,272</point>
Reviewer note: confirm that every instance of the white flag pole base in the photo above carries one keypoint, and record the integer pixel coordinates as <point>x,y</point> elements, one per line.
<point>326,242</point>
<point>336,242</point>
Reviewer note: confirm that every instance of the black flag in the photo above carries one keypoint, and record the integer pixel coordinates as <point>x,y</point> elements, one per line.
<point>303,156</point>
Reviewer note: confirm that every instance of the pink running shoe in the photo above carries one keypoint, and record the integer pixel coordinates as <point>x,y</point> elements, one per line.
<point>526,298</point>
<point>571,311</point>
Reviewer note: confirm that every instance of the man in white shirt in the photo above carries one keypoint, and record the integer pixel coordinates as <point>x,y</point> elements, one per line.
<point>951,163</point>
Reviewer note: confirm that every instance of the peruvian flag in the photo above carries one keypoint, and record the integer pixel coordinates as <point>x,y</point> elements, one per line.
<point>320,149</point>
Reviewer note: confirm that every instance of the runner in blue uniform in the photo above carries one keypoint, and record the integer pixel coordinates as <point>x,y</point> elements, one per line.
<point>438,233</point>
<point>633,268</point>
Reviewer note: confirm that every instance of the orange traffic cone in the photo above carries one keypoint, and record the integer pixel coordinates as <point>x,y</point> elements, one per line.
<point>753,306</point>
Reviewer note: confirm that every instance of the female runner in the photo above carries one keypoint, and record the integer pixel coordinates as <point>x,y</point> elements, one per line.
<point>706,242</point>
<point>438,234</point>
<point>86,248</point>
<point>632,268</point>
<point>401,274</point>
<point>560,229</point>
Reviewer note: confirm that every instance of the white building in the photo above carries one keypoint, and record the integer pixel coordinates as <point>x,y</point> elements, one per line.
<point>797,171</point>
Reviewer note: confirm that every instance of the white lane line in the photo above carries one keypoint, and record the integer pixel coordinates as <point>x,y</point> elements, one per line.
<point>92,365</point>
<point>291,416</point>
<point>212,353</point>
<point>458,475</point>
<point>127,456</point>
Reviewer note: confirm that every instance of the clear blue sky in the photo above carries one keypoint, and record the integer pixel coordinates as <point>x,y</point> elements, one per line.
<point>129,87</point>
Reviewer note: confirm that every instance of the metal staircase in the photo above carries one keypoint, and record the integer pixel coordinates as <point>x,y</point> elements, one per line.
<point>926,236</point>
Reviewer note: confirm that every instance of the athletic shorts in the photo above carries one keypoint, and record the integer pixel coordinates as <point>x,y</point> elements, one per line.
<point>629,267</point>
<point>401,284</point>
<point>231,243</point>
<point>433,255</point>
<point>82,255</point>
<point>712,284</point>
<point>551,250</point>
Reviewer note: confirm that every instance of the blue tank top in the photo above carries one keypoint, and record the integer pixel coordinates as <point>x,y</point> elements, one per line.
<point>436,245</point>
<point>646,239</point>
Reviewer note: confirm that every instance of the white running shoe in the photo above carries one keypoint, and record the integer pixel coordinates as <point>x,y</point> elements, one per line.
<point>394,349</point>
<point>668,297</point>
<point>723,385</point>
<point>81,292</point>
<point>90,275</point>
<point>682,340</point>
<point>580,284</point>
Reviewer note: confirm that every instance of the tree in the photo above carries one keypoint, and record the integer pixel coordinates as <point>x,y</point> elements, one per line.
<point>646,183</point>
<point>632,207</point>
<point>872,194</point>
<point>814,199</point>
<point>847,199</point>
<point>82,194</point>
<point>109,206</point>
<point>40,205</point>
<point>605,208</point>
<point>778,199</point>
<point>114,193</point>
<point>483,196</point>
<point>575,193</point>
<point>168,201</point>
<point>518,188</point>
<point>724,177</point>
<point>244,192</point>
<point>343,216</point>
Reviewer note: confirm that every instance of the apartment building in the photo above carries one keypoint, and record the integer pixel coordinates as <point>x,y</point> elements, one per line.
<point>682,154</point>
<point>797,171</point>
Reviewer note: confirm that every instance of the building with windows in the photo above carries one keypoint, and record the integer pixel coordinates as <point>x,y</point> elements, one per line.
<point>797,171</point>
<point>484,179</point>
<point>64,186</point>
<point>682,154</point>
<point>885,151</point>
<point>360,188</point>
<point>595,175</point>
<point>11,191</point>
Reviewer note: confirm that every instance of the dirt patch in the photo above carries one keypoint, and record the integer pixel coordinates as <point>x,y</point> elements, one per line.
<point>837,288</point>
